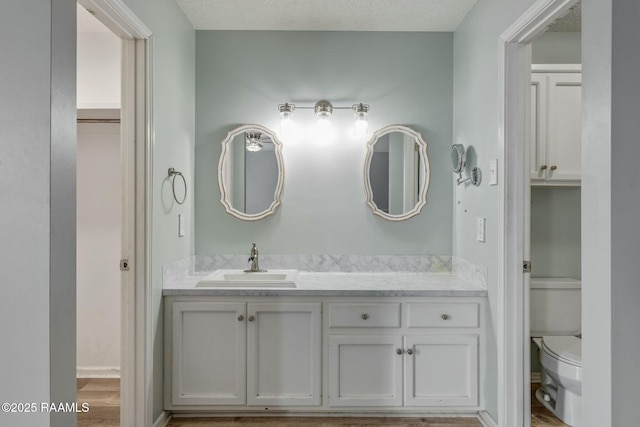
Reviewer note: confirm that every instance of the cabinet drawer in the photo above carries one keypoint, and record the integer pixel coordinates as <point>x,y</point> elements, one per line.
<point>443,315</point>
<point>366,315</point>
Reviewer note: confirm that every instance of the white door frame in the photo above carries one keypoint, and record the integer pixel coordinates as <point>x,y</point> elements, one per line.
<point>136,361</point>
<point>514,404</point>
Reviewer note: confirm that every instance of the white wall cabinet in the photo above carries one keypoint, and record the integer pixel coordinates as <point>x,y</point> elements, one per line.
<point>556,126</point>
<point>287,353</point>
<point>221,350</point>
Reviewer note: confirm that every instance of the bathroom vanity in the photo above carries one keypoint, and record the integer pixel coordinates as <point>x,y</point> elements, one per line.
<point>337,342</point>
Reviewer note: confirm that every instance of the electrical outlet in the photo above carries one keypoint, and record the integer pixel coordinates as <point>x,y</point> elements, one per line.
<point>480,227</point>
<point>180,225</point>
<point>493,175</point>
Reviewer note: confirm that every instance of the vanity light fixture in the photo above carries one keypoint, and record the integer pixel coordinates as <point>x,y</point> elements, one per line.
<point>253,141</point>
<point>324,110</point>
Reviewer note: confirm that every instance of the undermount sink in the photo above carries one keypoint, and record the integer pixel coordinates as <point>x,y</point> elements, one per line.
<point>244,279</point>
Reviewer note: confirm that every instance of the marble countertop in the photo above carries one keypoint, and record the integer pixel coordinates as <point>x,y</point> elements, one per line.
<point>390,284</point>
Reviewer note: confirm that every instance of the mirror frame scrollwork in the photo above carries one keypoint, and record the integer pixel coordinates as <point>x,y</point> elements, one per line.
<point>222,180</point>
<point>422,196</point>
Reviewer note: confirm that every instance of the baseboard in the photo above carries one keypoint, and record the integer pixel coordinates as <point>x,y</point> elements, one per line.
<point>163,419</point>
<point>486,419</point>
<point>97,372</point>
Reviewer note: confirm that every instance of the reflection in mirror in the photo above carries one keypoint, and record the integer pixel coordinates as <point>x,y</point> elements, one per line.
<point>250,172</point>
<point>396,173</point>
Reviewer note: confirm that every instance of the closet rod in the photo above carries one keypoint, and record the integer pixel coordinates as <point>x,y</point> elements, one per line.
<point>98,120</point>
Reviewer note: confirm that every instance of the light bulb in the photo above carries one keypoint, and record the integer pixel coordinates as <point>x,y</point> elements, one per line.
<point>286,130</point>
<point>360,127</point>
<point>324,131</point>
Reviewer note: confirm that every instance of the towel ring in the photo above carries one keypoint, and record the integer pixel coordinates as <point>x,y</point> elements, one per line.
<point>173,173</point>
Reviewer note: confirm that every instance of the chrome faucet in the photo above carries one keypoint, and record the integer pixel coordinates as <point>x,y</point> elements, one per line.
<point>253,259</point>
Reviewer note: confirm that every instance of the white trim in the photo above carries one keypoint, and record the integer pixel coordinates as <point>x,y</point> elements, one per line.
<point>163,419</point>
<point>116,16</point>
<point>513,335</point>
<point>556,68</point>
<point>98,372</point>
<point>486,419</point>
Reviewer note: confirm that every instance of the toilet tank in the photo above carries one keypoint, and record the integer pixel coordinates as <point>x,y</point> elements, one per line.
<point>555,307</point>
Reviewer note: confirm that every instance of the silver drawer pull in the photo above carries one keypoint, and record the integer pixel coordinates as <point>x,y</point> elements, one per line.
<point>240,318</point>
<point>399,351</point>
<point>364,316</point>
<point>409,352</point>
<point>445,317</point>
<point>251,318</point>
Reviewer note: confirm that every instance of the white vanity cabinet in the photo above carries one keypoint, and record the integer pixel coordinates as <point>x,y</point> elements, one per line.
<point>242,353</point>
<point>404,354</point>
<point>283,354</point>
<point>323,354</point>
<point>556,125</point>
<point>208,352</point>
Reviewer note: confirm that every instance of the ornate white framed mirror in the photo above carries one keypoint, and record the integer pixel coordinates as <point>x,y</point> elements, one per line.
<point>251,172</point>
<point>396,173</point>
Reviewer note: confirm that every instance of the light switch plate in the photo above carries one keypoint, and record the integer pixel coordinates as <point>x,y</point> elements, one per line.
<point>493,172</point>
<point>180,225</point>
<point>480,229</point>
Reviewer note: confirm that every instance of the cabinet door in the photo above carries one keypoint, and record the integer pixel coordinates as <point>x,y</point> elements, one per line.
<point>283,354</point>
<point>565,128</point>
<point>538,141</point>
<point>365,370</point>
<point>209,357</point>
<point>441,370</point>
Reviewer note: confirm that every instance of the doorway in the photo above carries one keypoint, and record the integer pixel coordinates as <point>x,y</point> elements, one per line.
<point>553,224</point>
<point>514,347</point>
<point>134,181</point>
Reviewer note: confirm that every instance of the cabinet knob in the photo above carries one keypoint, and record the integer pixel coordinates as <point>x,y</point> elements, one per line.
<point>364,316</point>
<point>409,352</point>
<point>445,317</point>
<point>554,168</point>
<point>543,167</point>
<point>251,318</point>
<point>240,318</point>
<point>399,351</point>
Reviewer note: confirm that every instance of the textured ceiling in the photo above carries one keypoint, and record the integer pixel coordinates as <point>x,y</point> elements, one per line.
<point>327,15</point>
<point>571,22</point>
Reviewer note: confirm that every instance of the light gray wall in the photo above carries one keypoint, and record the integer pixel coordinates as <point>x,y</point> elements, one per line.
<point>625,205</point>
<point>555,232</point>
<point>242,76</point>
<point>37,146</point>
<point>557,48</point>
<point>99,243</point>
<point>597,183</point>
<point>173,110</point>
<point>475,122</point>
<point>261,180</point>
<point>611,200</point>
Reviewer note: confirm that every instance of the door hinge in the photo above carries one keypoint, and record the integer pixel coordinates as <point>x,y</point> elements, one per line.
<point>526,267</point>
<point>124,264</point>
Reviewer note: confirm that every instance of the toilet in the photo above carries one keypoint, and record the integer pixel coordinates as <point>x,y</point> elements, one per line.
<point>555,307</point>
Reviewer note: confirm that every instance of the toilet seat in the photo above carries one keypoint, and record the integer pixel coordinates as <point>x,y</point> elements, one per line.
<point>567,349</point>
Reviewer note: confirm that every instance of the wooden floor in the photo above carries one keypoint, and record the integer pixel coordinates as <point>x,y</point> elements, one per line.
<point>541,416</point>
<point>103,397</point>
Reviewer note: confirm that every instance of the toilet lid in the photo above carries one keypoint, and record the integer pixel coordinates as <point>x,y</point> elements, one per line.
<point>567,349</point>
